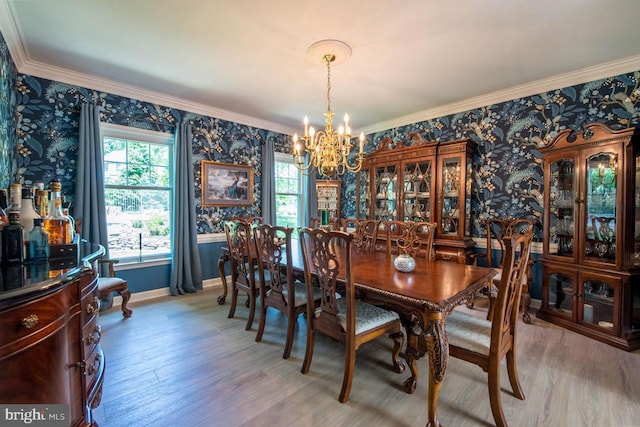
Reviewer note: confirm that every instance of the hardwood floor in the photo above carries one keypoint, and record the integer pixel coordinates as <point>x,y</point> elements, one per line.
<point>179,361</point>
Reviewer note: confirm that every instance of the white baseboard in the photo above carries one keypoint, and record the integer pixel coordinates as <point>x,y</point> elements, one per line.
<point>163,292</point>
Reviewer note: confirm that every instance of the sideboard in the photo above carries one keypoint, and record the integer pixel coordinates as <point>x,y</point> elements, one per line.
<point>50,343</point>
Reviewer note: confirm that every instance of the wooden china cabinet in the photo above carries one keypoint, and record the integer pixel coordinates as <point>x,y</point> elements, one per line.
<point>426,181</point>
<point>591,256</point>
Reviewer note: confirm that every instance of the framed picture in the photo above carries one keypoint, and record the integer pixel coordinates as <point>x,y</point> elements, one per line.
<point>226,184</point>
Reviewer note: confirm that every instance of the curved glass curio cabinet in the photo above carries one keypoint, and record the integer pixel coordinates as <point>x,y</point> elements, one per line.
<point>591,260</point>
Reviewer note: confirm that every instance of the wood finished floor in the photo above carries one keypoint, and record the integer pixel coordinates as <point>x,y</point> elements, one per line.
<point>180,362</point>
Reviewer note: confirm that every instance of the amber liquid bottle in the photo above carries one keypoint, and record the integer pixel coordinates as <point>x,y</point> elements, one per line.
<point>56,224</point>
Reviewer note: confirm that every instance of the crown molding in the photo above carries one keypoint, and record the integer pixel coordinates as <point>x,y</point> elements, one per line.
<point>42,70</point>
<point>585,75</point>
<point>12,34</point>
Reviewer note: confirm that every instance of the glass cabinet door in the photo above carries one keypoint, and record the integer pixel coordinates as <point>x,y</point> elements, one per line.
<point>386,184</point>
<point>562,212</point>
<point>364,194</point>
<point>599,301</point>
<point>561,294</point>
<point>600,207</point>
<point>450,178</point>
<point>417,191</point>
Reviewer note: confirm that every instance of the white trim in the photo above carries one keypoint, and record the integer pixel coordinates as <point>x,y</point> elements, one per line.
<point>481,242</point>
<point>129,132</point>
<point>162,292</point>
<point>212,238</point>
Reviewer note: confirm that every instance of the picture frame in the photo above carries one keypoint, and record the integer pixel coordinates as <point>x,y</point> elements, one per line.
<point>226,184</point>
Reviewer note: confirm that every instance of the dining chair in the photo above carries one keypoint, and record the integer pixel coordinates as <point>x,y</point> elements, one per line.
<point>340,315</point>
<point>243,268</point>
<point>496,230</point>
<point>365,238</point>
<point>485,343</point>
<point>350,225</point>
<point>418,240</point>
<point>111,283</point>
<point>279,287</point>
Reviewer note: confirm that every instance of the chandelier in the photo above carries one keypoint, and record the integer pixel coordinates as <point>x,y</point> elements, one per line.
<point>327,149</point>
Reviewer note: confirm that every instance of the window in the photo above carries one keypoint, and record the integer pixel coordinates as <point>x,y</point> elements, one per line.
<point>290,205</point>
<point>138,191</point>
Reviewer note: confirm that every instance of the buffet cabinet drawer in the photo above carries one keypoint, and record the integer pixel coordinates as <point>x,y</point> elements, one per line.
<point>89,304</point>
<point>94,367</point>
<point>91,334</point>
<point>35,319</point>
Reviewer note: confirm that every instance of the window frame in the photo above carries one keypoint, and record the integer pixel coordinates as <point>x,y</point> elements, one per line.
<point>146,136</point>
<point>302,183</point>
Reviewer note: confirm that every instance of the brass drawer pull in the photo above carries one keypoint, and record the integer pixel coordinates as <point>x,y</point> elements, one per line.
<point>30,321</point>
<point>95,307</point>
<point>94,337</point>
<point>94,368</point>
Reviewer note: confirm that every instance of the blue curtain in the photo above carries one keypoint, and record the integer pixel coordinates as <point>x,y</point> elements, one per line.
<point>268,182</point>
<point>186,272</point>
<point>312,199</point>
<point>89,197</point>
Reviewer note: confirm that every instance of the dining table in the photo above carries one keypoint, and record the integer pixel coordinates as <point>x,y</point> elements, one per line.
<point>423,298</point>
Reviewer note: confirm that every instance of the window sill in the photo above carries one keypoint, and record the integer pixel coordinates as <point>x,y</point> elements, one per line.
<point>132,264</point>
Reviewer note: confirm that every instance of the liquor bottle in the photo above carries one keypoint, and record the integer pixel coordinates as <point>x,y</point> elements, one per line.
<point>12,246</point>
<point>42,202</point>
<point>15,198</point>
<point>38,242</point>
<point>56,224</point>
<point>27,215</point>
<point>4,203</point>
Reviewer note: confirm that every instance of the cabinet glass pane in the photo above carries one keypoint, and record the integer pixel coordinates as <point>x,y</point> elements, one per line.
<point>635,309</point>
<point>636,241</point>
<point>450,196</point>
<point>561,294</point>
<point>562,207</point>
<point>364,201</point>
<point>600,204</point>
<point>417,191</point>
<point>386,181</point>
<point>598,304</point>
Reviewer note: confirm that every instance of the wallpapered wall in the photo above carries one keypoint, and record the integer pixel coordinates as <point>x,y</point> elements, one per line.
<point>48,115</point>
<point>8,75</point>
<point>508,182</point>
<point>509,178</point>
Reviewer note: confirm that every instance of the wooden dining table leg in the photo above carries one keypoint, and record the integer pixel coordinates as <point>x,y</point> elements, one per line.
<point>224,258</point>
<point>438,350</point>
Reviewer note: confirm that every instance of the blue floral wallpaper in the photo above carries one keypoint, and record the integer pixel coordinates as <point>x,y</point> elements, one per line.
<point>509,178</point>
<point>8,135</point>
<point>508,181</point>
<point>48,114</point>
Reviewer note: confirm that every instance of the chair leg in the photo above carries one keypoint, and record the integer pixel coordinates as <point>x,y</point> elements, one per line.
<point>263,317</point>
<point>234,301</point>
<point>495,398</point>
<point>398,343</point>
<point>252,310</point>
<point>512,369</point>
<point>125,294</point>
<point>526,302</point>
<point>308,352</point>
<point>291,324</point>
<point>349,367</point>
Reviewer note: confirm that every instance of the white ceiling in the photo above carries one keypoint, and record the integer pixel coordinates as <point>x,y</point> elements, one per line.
<point>245,60</point>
